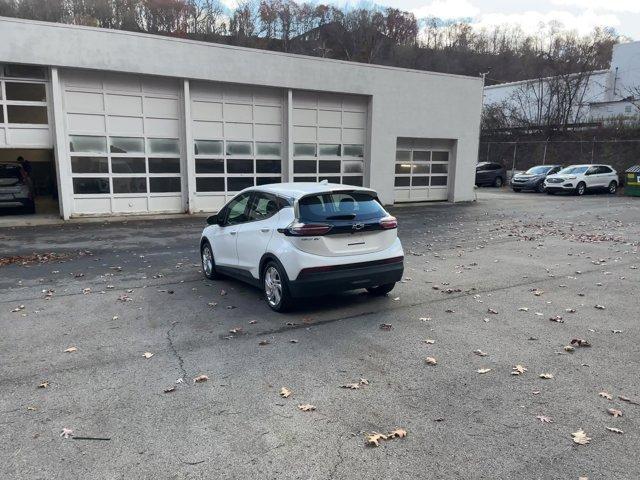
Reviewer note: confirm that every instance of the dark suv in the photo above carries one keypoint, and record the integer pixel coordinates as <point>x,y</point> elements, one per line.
<point>533,179</point>
<point>490,174</point>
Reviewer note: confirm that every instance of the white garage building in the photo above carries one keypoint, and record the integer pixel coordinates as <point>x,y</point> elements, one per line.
<point>136,123</point>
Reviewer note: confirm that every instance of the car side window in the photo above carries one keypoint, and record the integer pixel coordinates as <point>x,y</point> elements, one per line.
<point>263,206</point>
<point>495,166</point>
<point>237,210</point>
<point>591,171</point>
<point>603,169</point>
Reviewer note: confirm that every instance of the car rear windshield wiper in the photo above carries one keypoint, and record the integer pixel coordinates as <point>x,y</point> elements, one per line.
<point>345,216</point>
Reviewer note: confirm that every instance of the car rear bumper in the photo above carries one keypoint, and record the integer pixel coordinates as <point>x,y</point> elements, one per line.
<point>339,278</point>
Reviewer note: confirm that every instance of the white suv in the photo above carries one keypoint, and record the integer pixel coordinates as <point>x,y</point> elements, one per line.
<point>298,240</point>
<point>580,178</point>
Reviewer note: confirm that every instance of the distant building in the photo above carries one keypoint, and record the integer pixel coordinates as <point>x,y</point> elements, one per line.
<point>602,95</point>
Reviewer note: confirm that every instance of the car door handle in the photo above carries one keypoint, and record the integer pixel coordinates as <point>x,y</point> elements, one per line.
<point>265,230</point>
<point>233,233</point>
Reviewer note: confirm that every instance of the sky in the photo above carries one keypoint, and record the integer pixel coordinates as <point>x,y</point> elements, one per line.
<point>579,15</point>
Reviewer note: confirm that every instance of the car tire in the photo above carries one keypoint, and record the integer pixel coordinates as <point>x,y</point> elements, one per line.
<point>581,188</point>
<point>208,262</point>
<point>517,190</point>
<point>498,182</point>
<point>540,188</point>
<point>381,290</point>
<point>275,287</point>
<point>613,187</point>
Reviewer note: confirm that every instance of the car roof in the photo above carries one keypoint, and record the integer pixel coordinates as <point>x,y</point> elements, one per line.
<point>297,190</point>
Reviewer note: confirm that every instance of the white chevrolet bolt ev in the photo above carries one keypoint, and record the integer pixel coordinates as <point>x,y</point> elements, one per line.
<point>580,178</point>
<point>298,240</point>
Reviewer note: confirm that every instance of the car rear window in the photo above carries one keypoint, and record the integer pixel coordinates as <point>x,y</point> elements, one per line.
<point>327,207</point>
<point>10,175</point>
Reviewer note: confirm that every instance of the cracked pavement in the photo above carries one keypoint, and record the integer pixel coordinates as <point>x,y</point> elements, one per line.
<point>462,260</point>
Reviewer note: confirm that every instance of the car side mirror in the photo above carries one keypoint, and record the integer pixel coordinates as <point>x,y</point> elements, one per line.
<point>213,220</point>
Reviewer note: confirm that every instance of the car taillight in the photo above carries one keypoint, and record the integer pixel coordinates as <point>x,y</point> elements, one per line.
<point>389,222</point>
<point>307,229</point>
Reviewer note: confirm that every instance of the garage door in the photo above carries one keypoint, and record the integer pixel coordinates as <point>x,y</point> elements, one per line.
<point>238,136</point>
<point>422,170</point>
<point>124,135</point>
<point>329,134</point>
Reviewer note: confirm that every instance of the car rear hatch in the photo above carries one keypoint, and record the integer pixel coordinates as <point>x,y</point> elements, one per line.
<point>339,223</point>
<point>11,182</point>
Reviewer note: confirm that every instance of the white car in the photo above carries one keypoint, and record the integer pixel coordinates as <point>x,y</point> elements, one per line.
<point>297,240</point>
<point>580,178</point>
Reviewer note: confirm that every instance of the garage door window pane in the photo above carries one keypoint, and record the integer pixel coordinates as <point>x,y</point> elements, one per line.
<point>24,71</point>
<point>439,168</point>
<point>126,145</point>
<point>26,114</point>
<point>402,181</point>
<point>208,147</point>
<point>420,168</point>
<point>268,166</point>
<point>91,185</point>
<point>273,149</point>
<point>214,184</point>
<point>164,165</point>
<point>130,185</point>
<point>304,166</point>
<point>421,156</point>
<point>403,156</point>
<point>330,179</point>
<point>304,150</point>
<point>128,165</point>
<point>1,113</point>
<point>268,180</point>
<point>305,179</point>
<point>354,151</point>
<point>438,181</point>
<point>89,165</point>
<point>236,184</point>
<point>209,165</point>
<point>164,184</point>
<point>28,92</point>
<point>239,148</point>
<point>403,168</point>
<point>329,150</point>
<point>85,144</point>
<point>353,167</point>
<point>330,166</point>
<point>239,166</point>
<point>165,146</point>
<point>440,156</point>
<point>355,181</point>
<point>420,181</point>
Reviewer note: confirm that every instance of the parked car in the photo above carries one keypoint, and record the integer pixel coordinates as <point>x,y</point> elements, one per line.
<point>297,240</point>
<point>533,179</point>
<point>16,189</point>
<point>490,174</point>
<point>580,178</point>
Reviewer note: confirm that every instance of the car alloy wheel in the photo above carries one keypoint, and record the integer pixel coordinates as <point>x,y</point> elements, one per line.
<point>207,260</point>
<point>540,187</point>
<point>273,286</point>
<point>580,189</point>
<point>497,182</point>
<point>613,186</point>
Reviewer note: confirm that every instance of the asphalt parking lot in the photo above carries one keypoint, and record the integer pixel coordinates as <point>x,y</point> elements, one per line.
<point>485,276</point>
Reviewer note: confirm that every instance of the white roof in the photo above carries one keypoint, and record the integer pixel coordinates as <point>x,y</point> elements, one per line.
<point>300,189</point>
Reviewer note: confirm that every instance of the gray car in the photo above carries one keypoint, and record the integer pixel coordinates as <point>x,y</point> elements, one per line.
<point>490,174</point>
<point>15,188</point>
<point>533,179</point>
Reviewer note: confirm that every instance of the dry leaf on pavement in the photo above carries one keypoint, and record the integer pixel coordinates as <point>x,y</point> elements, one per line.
<point>306,407</point>
<point>147,355</point>
<point>285,392</point>
<point>483,370</point>
<point>492,311</point>
<point>431,361</point>
<point>386,326</point>
<point>170,389</point>
<point>580,342</point>
<point>480,353</point>
<point>364,381</point>
<point>71,350</point>
<point>628,400</point>
<point>200,379</point>
<point>544,419</point>
<point>580,437</point>
<point>599,307</point>
<point>615,412</point>
<point>569,348</point>
<point>352,386</point>
<point>373,439</point>
<point>546,376</point>
<point>557,319</point>
<point>518,370</point>
<point>606,395</point>
<point>44,384</point>
<point>66,433</point>
<point>614,430</point>
<point>263,343</point>
<point>429,341</point>
<point>398,433</point>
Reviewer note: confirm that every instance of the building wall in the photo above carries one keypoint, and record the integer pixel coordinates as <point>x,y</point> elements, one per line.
<point>400,103</point>
<point>625,66</point>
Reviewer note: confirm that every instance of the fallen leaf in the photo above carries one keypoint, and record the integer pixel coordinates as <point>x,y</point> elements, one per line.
<point>546,375</point>
<point>580,342</point>
<point>570,310</point>
<point>285,392</point>
<point>523,309</point>
<point>44,384</point>
<point>386,326</point>
<point>147,355</point>
<point>614,412</point>
<point>628,400</point>
<point>306,407</point>
<point>169,390</point>
<point>569,348</point>
<point>373,439</point>
<point>431,361</point>
<point>580,437</point>
<point>262,343</point>
<point>200,379</point>
<point>544,419</point>
<point>557,319</point>
<point>352,386</point>
<point>614,430</point>
<point>398,433</point>
<point>518,370</point>
<point>606,395</point>
<point>66,433</point>
<point>616,331</point>
<point>364,381</point>
<point>71,350</point>
<point>492,311</point>
<point>599,307</point>
<point>428,341</point>
<point>483,370</point>
<point>236,330</point>
<point>480,353</point>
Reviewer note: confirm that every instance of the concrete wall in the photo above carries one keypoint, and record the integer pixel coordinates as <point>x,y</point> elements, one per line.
<point>625,65</point>
<point>403,103</point>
